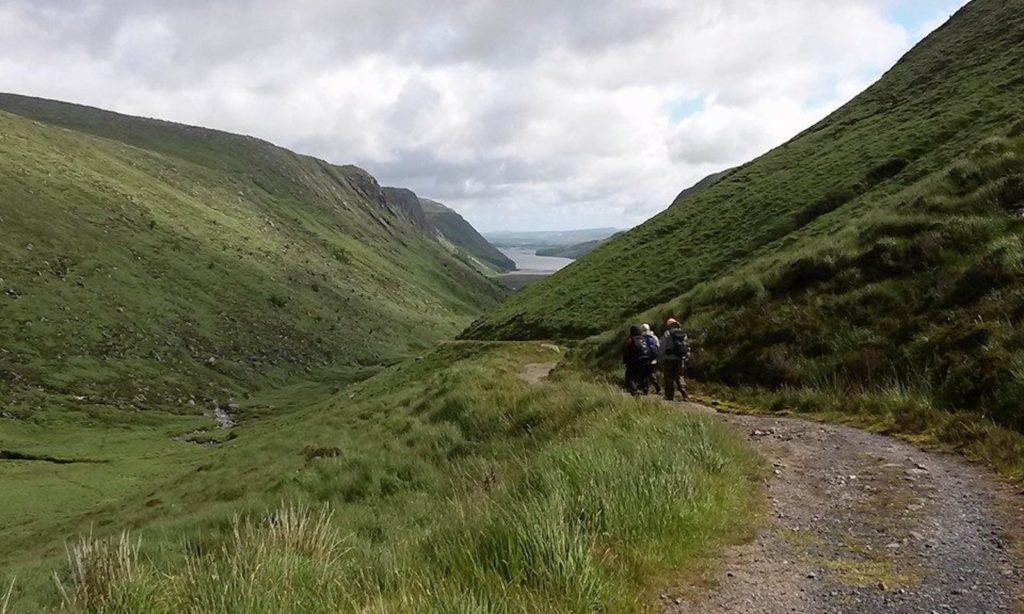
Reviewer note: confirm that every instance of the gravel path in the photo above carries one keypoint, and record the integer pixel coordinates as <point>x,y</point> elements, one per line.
<point>863,523</point>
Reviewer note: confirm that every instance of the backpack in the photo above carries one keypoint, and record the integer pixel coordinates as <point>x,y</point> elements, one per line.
<point>641,349</point>
<point>679,346</point>
<point>648,350</point>
<point>654,345</point>
<point>635,349</point>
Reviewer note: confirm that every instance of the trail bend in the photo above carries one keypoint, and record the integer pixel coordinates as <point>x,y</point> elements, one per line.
<point>864,523</point>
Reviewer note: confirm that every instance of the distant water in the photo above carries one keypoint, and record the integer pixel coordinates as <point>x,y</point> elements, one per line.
<point>527,261</point>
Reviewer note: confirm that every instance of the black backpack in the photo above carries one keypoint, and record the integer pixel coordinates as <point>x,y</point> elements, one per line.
<point>640,349</point>
<point>679,344</point>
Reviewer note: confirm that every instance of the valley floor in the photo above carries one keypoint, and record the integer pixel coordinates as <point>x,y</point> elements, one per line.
<point>861,522</point>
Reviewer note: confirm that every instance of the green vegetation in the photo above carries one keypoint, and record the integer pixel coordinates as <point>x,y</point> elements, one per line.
<point>871,267</point>
<point>148,265</point>
<point>445,483</point>
<point>460,234</point>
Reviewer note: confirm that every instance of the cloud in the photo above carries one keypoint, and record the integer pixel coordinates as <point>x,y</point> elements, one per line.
<point>522,114</point>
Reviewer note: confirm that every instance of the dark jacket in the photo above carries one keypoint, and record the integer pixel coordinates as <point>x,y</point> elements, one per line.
<point>675,345</point>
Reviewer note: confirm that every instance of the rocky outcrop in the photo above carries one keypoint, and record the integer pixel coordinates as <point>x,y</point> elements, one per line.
<point>405,202</point>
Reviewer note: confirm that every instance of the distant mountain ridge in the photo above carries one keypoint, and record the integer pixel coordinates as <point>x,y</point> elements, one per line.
<point>576,251</point>
<point>579,250</point>
<point>406,202</point>
<point>455,229</point>
<point>440,220</point>
<point>548,238</point>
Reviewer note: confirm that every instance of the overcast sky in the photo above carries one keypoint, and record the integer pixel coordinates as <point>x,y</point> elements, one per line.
<point>521,114</point>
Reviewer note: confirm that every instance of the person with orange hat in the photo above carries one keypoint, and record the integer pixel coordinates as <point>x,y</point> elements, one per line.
<point>675,350</point>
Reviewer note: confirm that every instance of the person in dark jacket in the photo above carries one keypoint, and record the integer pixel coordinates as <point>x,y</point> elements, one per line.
<point>675,350</point>
<point>633,357</point>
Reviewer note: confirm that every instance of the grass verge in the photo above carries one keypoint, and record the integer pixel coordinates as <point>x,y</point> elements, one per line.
<point>444,484</point>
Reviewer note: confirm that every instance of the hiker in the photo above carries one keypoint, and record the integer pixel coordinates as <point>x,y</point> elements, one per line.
<point>675,350</point>
<point>651,365</point>
<point>634,353</point>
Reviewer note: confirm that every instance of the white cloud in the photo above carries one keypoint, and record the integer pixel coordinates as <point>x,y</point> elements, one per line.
<point>521,114</point>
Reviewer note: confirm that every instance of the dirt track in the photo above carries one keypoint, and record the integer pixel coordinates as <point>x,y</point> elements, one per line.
<point>863,523</point>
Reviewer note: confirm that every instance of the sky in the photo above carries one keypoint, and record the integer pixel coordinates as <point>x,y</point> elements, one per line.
<point>522,115</point>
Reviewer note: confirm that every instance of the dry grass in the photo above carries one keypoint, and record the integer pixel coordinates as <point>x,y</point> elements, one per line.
<point>98,567</point>
<point>5,600</point>
<point>293,528</point>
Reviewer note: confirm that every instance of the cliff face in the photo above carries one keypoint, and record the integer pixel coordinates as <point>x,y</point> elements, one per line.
<point>405,202</point>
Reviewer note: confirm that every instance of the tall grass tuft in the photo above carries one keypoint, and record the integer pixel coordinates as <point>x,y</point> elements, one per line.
<point>99,568</point>
<point>293,528</point>
<point>5,599</point>
<point>289,561</point>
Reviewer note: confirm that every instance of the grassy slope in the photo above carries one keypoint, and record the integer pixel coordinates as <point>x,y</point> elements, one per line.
<point>462,489</point>
<point>955,89</point>
<point>130,261</point>
<point>462,235</point>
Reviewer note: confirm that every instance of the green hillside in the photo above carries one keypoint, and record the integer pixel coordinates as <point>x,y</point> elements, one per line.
<point>879,252</point>
<point>462,235</point>
<point>959,87</point>
<point>148,264</point>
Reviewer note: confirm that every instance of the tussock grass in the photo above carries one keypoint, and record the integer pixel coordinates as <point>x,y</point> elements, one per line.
<point>563,497</point>
<point>98,569</point>
<point>292,528</point>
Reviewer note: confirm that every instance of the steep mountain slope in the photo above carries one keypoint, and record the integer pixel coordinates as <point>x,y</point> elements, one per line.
<point>958,87</point>
<point>149,263</point>
<point>405,202</point>
<point>878,253</point>
<point>462,235</point>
